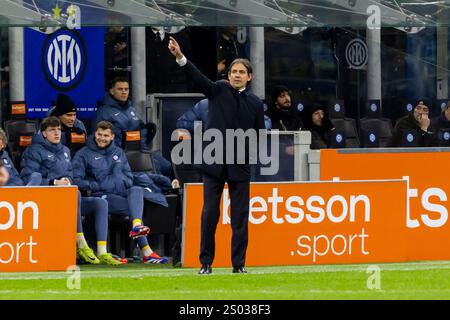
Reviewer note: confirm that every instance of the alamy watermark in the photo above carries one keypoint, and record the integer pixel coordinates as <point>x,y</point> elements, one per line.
<point>74,278</point>
<point>74,18</point>
<point>374,280</point>
<point>72,14</point>
<point>374,17</point>
<point>236,147</point>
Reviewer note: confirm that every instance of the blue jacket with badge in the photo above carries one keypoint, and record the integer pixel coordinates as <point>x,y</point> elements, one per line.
<point>123,116</point>
<point>103,171</point>
<point>78,128</point>
<point>14,177</point>
<point>51,160</point>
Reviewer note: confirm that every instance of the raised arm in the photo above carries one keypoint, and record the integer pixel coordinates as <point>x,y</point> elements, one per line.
<point>206,86</point>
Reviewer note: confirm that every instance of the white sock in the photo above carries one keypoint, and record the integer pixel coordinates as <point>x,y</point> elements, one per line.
<point>101,247</point>
<point>81,241</point>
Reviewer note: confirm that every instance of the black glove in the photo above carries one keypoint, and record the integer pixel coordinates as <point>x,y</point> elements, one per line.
<point>151,131</point>
<point>77,130</point>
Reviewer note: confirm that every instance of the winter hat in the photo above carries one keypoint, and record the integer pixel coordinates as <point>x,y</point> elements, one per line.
<point>317,106</point>
<point>313,107</point>
<point>423,101</point>
<point>63,105</point>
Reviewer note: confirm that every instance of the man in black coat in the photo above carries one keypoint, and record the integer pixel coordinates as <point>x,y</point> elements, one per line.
<point>283,115</point>
<point>417,123</point>
<point>231,106</point>
<point>319,124</point>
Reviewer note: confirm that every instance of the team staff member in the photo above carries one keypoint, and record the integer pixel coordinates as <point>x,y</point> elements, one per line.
<point>102,168</point>
<point>283,115</point>
<point>319,124</point>
<point>49,157</point>
<point>73,131</point>
<point>231,106</point>
<point>118,109</point>
<point>417,121</point>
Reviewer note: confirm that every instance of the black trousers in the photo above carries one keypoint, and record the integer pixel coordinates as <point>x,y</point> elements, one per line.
<point>239,196</point>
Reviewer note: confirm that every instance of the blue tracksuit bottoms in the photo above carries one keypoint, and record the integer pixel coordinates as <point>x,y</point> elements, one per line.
<point>132,205</point>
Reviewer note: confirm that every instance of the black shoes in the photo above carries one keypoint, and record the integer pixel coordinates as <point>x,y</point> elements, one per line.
<point>240,269</point>
<point>205,269</point>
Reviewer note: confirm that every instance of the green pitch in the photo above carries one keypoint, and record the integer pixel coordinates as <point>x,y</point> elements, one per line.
<point>418,280</point>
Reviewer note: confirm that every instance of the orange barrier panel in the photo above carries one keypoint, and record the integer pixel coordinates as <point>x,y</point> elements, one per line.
<point>133,136</point>
<point>426,218</point>
<point>308,223</point>
<point>38,228</point>
<point>18,108</point>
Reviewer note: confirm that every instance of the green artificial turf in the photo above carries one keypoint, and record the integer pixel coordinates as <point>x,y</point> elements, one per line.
<point>417,280</point>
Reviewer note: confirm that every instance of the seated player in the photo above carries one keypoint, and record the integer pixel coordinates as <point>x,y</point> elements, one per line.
<point>49,157</point>
<point>102,169</point>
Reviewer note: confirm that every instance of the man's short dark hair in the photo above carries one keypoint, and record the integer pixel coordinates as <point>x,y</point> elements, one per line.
<point>278,90</point>
<point>118,79</point>
<point>244,62</point>
<point>104,125</point>
<point>50,122</point>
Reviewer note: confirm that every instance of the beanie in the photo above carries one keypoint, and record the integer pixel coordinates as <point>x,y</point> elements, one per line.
<point>63,105</point>
<point>317,106</point>
<point>424,101</point>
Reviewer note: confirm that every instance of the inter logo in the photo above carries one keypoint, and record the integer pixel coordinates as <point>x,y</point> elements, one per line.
<point>64,59</point>
<point>410,137</point>
<point>446,136</point>
<point>356,54</point>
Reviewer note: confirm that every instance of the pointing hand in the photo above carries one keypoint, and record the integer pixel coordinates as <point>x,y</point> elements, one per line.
<point>174,48</point>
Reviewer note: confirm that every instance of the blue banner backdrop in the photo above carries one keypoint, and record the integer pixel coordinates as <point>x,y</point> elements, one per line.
<point>66,61</point>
